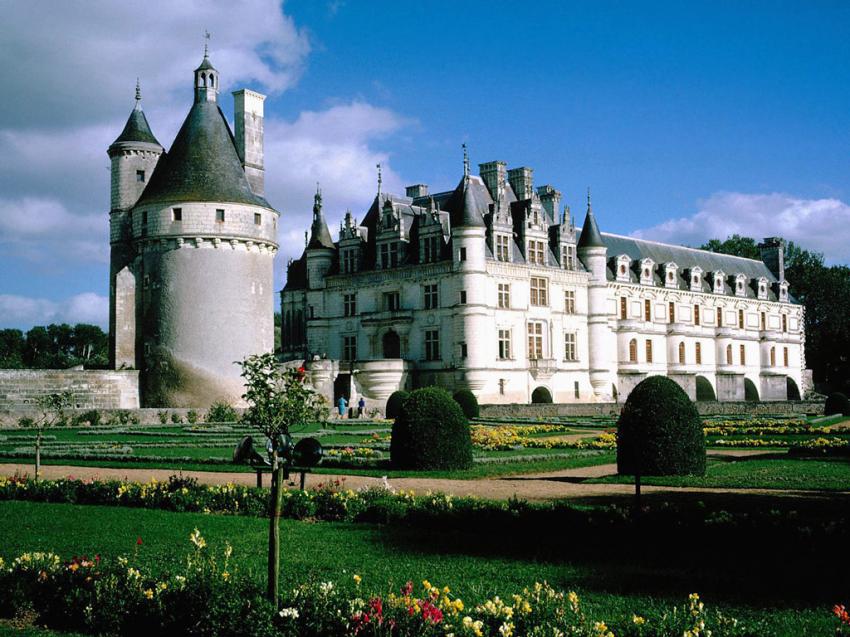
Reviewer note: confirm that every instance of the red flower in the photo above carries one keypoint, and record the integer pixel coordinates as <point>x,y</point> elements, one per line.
<point>842,614</point>
<point>138,541</point>
<point>407,589</point>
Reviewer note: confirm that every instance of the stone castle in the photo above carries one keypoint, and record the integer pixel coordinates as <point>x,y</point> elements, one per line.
<point>193,241</point>
<point>491,287</point>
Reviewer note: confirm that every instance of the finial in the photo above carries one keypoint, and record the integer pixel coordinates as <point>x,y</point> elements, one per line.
<point>378,166</point>
<point>306,239</point>
<point>138,91</point>
<point>588,199</point>
<point>206,43</point>
<point>465,161</point>
<point>317,201</point>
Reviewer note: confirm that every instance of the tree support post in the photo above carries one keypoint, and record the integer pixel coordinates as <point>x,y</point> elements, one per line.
<point>274,530</point>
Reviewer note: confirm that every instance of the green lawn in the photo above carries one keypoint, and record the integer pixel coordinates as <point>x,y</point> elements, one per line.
<point>474,565</point>
<point>760,472</point>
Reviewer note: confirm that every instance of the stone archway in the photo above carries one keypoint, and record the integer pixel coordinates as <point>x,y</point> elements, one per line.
<point>793,392</point>
<point>391,344</point>
<point>751,393</point>
<point>705,391</point>
<point>541,395</point>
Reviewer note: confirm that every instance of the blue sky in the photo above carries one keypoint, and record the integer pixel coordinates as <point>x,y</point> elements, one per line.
<point>687,120</point>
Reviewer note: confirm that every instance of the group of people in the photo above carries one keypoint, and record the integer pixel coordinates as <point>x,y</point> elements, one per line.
<point>342,407</point>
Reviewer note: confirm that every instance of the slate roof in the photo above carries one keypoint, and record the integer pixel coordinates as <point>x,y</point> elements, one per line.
<point>320,236</point>
<point>468,204</point>
<point>592,238</point>
<point>202,164</point>
<point>137,129</point>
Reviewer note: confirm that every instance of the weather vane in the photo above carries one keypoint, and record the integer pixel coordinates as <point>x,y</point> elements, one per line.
<point>206,44</point>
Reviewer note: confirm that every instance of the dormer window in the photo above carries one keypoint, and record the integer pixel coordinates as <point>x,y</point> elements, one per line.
<point>741,285</point>
<point>646,268</point>
<point>623,263</point>
<point>670,271</point>
<point>430,249</point>
<point>783,291</point>
<point>350,260</point>
<point>568,257</point>
<point>389,255</point>
<point>762,289</point>
<point>696,279</point>
<point>503,247</point>
<point>719,282</point>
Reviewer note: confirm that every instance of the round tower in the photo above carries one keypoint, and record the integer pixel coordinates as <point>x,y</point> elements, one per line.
<point>134,155</point>
<point>205,244</point>
<point>593,253</point>
<point>320,247</point>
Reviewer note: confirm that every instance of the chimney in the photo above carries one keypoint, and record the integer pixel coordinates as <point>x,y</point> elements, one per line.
<point>493,175</point>
<point>551,200</point>
<point>416,190</point>
<point>248,114</point>
<point>521,182</point>
<point>773,254</point>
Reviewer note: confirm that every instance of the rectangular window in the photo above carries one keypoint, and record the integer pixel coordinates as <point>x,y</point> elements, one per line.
<point>623,307</point>
<point>570,301</point>
<point>539,291</point>
<point>431,249</point>
<point>743,352</point>
<point>696,315</point>
<point>463,350</point>
<point>140,176</point>
<point>763,321</point>
<point>503,247</point>
<point>576,389</point>
<point>504,344</point>
<point>698,350</point>
<point>391,301</point>
<point>349,348</point>
<point>432,345</point>
<point>740,319</point>
<point>431,296</point>
<point>647,310</point>
<point>536,252</point>
<point>671,312</point>
<point>349,260</point>
<point>258,219</point>
<point>462,254</point>
<point>785,356</point>
<point>784,322</point>
<point>504,295</point>
<point>568,257</point>
<point>719,317</point>
<point>648,351</point>
<point>570,346</point>
<point>463,297</point>
<point>349,304</point>
<point>177,214</point>
<point>535,340</point>
<point>219,215</point>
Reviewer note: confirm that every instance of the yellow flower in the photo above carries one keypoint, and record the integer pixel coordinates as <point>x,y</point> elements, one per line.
<point>357,579</point>
<point>148,593</point>
<point>196,539</point>
<point>637,620</point>
<point>225,575</point>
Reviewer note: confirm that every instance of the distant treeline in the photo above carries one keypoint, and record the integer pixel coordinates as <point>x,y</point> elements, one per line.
<point>54,347</point>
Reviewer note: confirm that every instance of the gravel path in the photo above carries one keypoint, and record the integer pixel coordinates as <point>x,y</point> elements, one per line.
<point>564,484</point>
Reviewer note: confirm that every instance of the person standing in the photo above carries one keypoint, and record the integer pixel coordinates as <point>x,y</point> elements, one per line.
<point>361,407</point>
<point>341,406</point>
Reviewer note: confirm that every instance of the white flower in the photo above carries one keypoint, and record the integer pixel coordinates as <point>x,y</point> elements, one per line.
<point>289,613</point>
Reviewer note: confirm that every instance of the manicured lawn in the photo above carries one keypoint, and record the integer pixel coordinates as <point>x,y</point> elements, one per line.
<point>773,472</point>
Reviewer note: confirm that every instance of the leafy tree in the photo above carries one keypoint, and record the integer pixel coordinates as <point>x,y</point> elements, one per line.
<point>52,408</point>
<point>278,400</point>
<point>12,345</point>
<point>736,244</point>
<point>278,321</point>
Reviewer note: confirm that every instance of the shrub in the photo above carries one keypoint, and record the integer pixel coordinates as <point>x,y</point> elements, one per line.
<point>90,418</point>
<point>431,432</point>
<point>222,412</point>
<point>176,419</point>
<point>468,402</point>
<point>394,403</point>
<point>26,422</point>
<point>163,417</point>
<point>660,431</point>
<point>837,403</point>
<point>191,416</point>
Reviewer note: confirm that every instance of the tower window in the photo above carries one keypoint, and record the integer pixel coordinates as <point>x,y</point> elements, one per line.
<point>463,350</point>
<point>763,321</point>
<point>682,353</point>
<point>728,354</point>
<point>140,176</point>
<point>463,297</point>
<point>696,315</point>
<point>719,317</point>
<point>177,214</point>
<point>743,352</point>
<point>648,351</point>
<point>144,217</point>
<point>258,218</point>
<point>633,351</point>
<point>740,319</point>
<point>219,215</point>
<point>784,322</point>
<point>698,353</point>
<point>773,357</point>
<point>785,356</point>
<point>672,312</point>
<point>462,254</point>
<point>623,306</point>
<point>647,310</point>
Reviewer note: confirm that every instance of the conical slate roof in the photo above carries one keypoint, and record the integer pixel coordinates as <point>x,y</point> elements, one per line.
<point>590,235</point>
<point>137,129</point>
<point>468,203</point>
<point>202,164</point>
<point>320,236</point>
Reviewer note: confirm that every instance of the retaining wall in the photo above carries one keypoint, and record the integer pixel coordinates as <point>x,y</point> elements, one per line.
<point>705,408</point>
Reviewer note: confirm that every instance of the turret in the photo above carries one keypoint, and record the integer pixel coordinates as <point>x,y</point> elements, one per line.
<point>593,253</point>
<point>206,80</point>
<point>320,246</point>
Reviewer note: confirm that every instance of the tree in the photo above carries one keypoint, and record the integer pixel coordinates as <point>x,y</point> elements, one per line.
<point>12,345</point>
<point>278,400</point>
<point>52,408</point>
<point>736,244</point>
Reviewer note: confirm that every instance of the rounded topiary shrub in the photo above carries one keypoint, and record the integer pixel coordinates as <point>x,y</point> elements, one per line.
<point>467,401</point>
<point>837,403</point>
<point>660,431</point>
<point>431,432</point>
<point>394,403</point>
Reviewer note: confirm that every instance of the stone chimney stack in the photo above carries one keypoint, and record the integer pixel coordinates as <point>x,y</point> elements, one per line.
<point>551,200</point>
<point>416,190</point>
<point>773,254</point>
<point>493,175</point>
<point>248,115</point>
<point>521,182</point>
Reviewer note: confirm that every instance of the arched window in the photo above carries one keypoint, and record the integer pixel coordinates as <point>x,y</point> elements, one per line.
<point>698,353</point>
<point>212,79</point>
<point>204,79</point>
<point>633,351</point>
<point>648,351</point>
<point>728,354</point>
<point>682,353</point>
<point>773,357</point>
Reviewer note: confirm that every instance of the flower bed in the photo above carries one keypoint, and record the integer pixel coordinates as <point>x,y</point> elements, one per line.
<point>206,595</point>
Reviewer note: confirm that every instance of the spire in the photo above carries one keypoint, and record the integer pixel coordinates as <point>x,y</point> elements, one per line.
<point>465,161</point>
<point>206,76</point>
<point>138,95</point>
<point>137,128</point>
<point>378,166</point>
<point>590,235</point>
<point>320,236</point>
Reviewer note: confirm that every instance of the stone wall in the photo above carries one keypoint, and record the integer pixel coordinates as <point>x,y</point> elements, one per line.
<point>91,389</point>
<point>608,409</point>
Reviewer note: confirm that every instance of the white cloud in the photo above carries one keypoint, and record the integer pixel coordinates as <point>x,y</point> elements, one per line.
<point>23,312</point>
<point>819,225</point>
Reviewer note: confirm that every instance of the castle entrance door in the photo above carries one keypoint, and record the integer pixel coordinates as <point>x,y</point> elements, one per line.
<point>391,344</point>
